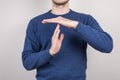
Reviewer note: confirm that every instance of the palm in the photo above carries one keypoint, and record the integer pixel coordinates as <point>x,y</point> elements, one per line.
<point>63,21</point>
<point>56,42</point>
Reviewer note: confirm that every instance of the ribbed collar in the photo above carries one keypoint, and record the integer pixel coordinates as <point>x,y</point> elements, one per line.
<point>70,12</point>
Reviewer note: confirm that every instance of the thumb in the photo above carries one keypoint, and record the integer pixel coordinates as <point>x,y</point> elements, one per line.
<point>61,37</point>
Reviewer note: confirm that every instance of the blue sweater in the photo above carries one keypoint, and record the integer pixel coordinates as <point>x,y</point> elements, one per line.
<point>70,63</point>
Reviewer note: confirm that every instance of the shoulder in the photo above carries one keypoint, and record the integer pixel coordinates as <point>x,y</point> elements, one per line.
<point>84,17</point>
<point>33,22</point>
<point>80,14</point>
<point>39,17</point>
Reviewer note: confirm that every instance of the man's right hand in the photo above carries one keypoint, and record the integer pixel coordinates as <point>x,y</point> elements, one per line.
<point>56,41</point>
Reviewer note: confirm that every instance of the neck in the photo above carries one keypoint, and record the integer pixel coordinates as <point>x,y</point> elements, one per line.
<point>60,9</point>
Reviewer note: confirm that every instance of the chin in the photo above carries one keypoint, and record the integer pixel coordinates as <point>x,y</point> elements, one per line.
<point>60,2</point>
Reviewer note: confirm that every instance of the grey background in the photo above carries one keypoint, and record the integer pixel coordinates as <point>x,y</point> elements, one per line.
<point>15,15</point>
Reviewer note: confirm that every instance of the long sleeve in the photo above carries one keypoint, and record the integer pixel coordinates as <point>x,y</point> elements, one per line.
<point>93,34</point>
<point>32,57</point>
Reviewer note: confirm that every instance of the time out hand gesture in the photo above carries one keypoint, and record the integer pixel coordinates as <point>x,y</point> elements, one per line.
<point>63,21</point>
<point>56,41</point>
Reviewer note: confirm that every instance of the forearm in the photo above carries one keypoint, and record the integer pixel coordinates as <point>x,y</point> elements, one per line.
<point>35,60</point>
<point>97,39</point>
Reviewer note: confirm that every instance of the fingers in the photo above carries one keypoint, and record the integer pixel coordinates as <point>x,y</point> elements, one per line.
<point>57,28</point>
<point>52,20</point>
<point>56,34</point>
<point>57,31</point>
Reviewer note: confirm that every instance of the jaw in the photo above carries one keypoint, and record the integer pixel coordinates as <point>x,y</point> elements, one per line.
<point>60,2</point>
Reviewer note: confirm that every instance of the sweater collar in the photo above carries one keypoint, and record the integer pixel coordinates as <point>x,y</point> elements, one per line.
<point>61,14</point>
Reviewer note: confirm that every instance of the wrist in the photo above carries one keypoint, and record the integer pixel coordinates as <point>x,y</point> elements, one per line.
<point>51,52</point>
<point>75,24</point>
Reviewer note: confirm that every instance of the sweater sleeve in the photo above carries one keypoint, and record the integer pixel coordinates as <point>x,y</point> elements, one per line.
<point>93,34</point>
<point>32,57</point>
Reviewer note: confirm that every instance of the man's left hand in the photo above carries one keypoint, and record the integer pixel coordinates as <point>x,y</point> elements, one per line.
<point>62,21</point>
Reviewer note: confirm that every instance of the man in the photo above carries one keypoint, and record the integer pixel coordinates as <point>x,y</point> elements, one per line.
<point>56,43</point>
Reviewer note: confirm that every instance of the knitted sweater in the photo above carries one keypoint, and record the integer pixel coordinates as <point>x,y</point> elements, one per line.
<point>70,63</point>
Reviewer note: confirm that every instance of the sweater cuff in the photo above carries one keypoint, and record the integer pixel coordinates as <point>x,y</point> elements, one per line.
<point>45,56</point>
<point>79,27</point>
